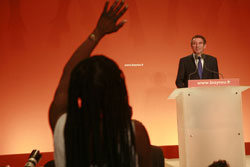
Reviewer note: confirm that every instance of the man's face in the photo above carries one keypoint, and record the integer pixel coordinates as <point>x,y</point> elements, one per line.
<point>198,46</point>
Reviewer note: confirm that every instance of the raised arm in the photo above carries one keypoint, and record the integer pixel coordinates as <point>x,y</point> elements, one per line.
<point>107,24</point>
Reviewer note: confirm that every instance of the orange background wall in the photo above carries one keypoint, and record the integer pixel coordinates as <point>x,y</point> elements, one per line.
<point>38,37</point>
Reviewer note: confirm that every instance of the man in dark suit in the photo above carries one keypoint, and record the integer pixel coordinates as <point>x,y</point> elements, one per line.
<point>197,65</point>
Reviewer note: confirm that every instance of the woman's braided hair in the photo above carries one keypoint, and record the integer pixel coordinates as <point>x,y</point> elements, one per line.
<point>98,129</point>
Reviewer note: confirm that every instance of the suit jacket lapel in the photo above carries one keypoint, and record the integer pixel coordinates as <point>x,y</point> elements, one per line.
<point>193,67</point>
<point>204,71</point>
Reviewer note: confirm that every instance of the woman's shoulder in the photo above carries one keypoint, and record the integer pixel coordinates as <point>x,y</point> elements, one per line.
<point>143,146</point>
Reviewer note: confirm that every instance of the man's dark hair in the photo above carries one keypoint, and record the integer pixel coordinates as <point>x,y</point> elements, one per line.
<point>98,129</point>
<point>220,163</point>
<point>199,36</point>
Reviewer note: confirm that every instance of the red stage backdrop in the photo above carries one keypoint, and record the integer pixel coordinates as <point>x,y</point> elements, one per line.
<point>38,37</point>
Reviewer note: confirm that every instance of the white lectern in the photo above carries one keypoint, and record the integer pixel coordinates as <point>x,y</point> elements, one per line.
<point>210,125</point>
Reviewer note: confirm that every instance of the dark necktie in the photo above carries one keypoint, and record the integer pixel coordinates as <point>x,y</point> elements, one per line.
<point>199,67</point>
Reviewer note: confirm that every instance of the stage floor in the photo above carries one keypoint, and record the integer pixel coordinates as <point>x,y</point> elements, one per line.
<point>175,162</point>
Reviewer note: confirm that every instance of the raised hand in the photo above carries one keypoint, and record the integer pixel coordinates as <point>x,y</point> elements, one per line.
<point>107,23</point>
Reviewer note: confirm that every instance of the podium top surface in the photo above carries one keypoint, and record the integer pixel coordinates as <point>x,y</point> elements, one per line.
<point>179,91</point>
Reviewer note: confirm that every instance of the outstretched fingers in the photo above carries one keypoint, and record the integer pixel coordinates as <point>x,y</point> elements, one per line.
<point>116,10</point>
<point>120,14</point>
<point>111,10</point>
<point>120,24</point>
<point>106,6</point>
<point>107,23</point>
